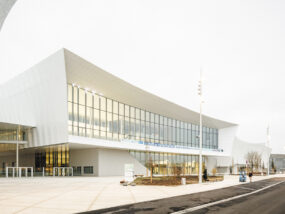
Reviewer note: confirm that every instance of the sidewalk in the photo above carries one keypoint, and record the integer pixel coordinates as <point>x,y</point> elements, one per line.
<point>78,194</point>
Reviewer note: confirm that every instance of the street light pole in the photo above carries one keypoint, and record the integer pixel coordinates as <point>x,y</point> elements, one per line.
<point>201,125</point>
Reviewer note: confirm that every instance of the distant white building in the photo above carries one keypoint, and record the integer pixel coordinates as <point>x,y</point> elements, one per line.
<point>241,150</point>
<point>277,161</point>
<point>68,112</point>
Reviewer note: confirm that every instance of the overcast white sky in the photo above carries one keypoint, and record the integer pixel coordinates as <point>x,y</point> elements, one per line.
<point>160,45</point>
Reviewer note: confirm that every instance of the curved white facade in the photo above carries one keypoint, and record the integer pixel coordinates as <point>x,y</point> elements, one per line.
<point>38,98</point>
<point>37,101</point>
<point>5,7</point>
<point>242,148</point>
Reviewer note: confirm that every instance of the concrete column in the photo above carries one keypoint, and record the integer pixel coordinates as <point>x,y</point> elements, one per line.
<point>26,171</point>
<point>17,152</point>
<point>19,172</point>
<point>7,171</point>
<point>13,172</point>
<point>32,173</point>
<point>17,148</point>
<point>43,172</point>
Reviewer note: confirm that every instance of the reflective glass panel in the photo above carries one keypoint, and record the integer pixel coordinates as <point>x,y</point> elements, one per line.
<point>81,96</point>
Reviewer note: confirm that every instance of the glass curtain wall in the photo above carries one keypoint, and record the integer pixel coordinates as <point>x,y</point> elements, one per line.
<point>52,156</point>
<point>95,116</point>
<point>165,163</point>
<point>11,135</point>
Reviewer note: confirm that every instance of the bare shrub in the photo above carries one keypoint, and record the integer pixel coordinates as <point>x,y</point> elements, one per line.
<point>254,160</point>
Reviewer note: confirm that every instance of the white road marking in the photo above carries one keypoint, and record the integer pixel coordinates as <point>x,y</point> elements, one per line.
<point>224,200</point>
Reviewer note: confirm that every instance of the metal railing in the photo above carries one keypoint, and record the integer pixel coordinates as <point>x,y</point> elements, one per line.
<point>62,171</point>
<point>18,171</point>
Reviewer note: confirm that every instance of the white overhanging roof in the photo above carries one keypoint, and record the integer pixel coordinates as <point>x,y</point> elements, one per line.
<point>85,74</point>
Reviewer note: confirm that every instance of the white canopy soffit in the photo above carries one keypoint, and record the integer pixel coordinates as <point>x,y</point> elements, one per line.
<point>87,75</point>
<point>11,126</point>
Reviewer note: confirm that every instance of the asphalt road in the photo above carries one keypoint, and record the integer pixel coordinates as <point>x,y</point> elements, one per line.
<point>271,200</point>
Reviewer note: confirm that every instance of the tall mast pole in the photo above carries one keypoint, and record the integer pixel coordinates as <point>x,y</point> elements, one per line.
<point>201,126</point>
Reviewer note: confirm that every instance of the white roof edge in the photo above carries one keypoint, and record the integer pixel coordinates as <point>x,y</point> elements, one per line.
<point>13,141</point>
<point>237,139</point>
<point>90,76</point>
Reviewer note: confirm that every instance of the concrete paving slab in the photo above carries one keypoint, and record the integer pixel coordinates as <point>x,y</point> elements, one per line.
<point>70,194</point>
<point>46,211</point>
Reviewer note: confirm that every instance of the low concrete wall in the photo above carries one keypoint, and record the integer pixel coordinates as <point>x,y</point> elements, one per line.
<point>105,162</point>
<point>112,162</point>
<point>84,157</point>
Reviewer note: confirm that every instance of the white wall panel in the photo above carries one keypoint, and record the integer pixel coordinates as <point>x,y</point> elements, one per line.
<point>84,157</point>
<point>242,148</point>
<point>226,138</point>
<point>112,162</point>
<point>38,97</point>
<point>105,162</point>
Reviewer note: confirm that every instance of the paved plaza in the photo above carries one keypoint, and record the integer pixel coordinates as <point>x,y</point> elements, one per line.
<point>78,194</point>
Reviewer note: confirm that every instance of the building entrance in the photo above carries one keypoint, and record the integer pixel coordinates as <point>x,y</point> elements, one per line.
<point>50,157</point>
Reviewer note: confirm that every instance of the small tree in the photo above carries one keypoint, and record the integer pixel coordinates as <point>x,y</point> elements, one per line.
<point>273,166</point>
<point>183,170</point>
<point>177,170</point>
<point>254,160</point>
<point>150,166</point>
<point>214,171</point>
<point>232,168</point>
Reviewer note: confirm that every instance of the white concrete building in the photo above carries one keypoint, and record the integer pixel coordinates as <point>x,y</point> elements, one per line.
<point>239,158</point>
<point>67,112</point>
